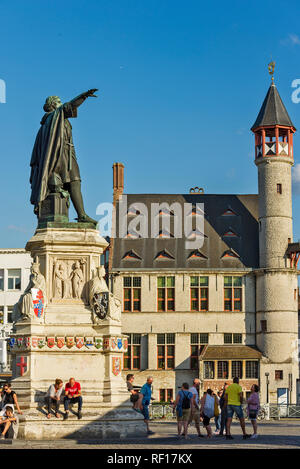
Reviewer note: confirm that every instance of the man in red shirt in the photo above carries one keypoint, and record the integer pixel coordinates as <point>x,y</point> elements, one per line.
<point>72,395</point>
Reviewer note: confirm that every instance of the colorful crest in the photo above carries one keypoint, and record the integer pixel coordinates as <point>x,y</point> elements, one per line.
<point>119,343</point>
<point>19,341</point>
<point>116,365</point>
<point>21,365</point>
<point>106,343</point>
<point>27,342</point>
<point>70,342</point>
<point>12,342</point>
<point>41,342</point>
<point>38,302</point>
<point>113,343</point>
<point>34,342</point>
<point>60,342</point>
<point>98,342</point>
<point>125,344</point>
<point>89,342</point>
<point>50,342</point>
<point>79,342</point>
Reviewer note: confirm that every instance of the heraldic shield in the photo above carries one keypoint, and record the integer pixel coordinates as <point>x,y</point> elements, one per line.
<point>38,302</point>
<point>100,304</point>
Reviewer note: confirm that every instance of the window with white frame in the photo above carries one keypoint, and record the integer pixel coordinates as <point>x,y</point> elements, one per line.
<point>14,279</point>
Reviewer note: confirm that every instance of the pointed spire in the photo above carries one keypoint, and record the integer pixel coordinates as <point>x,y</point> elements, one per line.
<point>273,111</point>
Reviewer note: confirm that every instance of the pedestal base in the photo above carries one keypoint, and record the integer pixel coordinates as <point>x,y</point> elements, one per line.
<point>106,422</point>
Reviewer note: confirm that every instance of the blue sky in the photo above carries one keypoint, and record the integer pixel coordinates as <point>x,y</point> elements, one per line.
<point>180,85</point>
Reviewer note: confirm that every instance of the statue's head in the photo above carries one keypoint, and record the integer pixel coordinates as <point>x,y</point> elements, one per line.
<point>52,103</point>
<point>101,271</point>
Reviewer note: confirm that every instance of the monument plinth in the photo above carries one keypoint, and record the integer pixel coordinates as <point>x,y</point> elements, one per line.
<point>70,326</point>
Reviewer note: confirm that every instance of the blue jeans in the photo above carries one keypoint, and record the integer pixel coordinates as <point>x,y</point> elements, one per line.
<point>73,400</point>
<point>218,422</point>
<point>237,409</point>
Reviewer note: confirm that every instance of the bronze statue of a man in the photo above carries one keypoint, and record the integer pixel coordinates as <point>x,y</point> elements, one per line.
<point>53,155</point>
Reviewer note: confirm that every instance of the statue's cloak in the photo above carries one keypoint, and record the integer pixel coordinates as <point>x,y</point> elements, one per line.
<point>46,153</point>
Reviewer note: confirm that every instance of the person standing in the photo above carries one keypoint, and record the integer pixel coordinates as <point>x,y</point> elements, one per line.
<point>143,402</point>
<point>223,408</point>
<point>72,396</point>
<point>217,412</point>
<point>234,400</point>
<point>207,410</point>
<point>184,402</point>
<point>253,407</point>
<point>53,397</point>
<point>9,397</point>
<point>195,411</point>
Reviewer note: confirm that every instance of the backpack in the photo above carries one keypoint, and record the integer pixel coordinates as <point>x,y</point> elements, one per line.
<point>186,402</point>
<point>209,406</point>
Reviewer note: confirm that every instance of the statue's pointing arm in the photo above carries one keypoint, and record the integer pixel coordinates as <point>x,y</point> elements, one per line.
<point>70,108</point>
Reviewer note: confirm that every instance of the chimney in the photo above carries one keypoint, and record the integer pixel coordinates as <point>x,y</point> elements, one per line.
<point>118,180</point>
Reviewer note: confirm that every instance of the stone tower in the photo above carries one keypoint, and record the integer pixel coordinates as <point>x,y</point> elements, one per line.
<point>276,279</point>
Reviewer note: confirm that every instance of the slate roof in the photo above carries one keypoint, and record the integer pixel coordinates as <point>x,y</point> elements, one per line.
<point>273,111</point>
<point>230,352</point>
<point>239,251</point>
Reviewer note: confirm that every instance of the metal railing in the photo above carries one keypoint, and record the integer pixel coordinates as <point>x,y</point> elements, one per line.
<point>267,411</point>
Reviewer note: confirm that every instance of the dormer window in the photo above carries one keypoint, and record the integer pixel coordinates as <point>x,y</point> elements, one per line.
<point>230,254</point>
<point>131,255</point>
<point>230,234</point>
<point>229,213</point>
<point>197,254</point>
<point>164,254</point>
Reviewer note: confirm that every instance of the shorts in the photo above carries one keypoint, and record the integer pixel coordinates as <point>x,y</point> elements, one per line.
<point>195,415</point>
<point>206,420</point>
<point>252,414</point>
<point>235,409</point>
<point>185,415</point>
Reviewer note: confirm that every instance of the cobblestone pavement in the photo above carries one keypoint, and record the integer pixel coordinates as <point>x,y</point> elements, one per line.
<point>274,434</point>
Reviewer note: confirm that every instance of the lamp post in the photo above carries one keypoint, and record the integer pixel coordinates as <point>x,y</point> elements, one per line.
<point>267,383</point>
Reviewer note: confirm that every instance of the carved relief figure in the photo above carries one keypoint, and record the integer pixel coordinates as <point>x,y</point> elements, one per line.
<point>68,279</point>
<point>102,302</point>
<point>32,303</point>
<point>77,280</point>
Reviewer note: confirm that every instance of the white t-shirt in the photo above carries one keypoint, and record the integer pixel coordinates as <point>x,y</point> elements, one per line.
<point>194,391</point>
<point>52,392</point>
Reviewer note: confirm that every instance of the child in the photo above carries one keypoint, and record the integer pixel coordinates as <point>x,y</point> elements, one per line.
<point>8,424</point>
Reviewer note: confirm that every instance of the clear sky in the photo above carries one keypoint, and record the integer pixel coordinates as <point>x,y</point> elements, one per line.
<point>180,84</point>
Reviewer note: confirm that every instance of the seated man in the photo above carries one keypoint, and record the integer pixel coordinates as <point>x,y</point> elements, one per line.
<point>72,395</point>
<point>53,397</point>
<point>134,393</point>
<point>8,424</point>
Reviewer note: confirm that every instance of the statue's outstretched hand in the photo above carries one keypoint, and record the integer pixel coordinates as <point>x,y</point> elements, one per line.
<point>90,93</point>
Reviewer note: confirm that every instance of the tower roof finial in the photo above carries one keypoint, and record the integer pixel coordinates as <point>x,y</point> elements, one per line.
<point>271,67</point>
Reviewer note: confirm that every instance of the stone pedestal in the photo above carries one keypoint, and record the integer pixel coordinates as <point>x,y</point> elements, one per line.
<point>64,340</point>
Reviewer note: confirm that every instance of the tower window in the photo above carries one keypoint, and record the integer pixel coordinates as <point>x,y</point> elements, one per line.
<point>263,325</point>
<point>279,188</point>
<point>278,374</point>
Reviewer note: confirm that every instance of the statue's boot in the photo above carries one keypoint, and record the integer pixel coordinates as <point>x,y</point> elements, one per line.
<point>76,197</point>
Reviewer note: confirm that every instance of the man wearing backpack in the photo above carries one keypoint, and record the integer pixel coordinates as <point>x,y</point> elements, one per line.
<point>184,402</point>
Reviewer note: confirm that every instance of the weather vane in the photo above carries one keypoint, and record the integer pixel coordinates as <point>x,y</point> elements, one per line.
<point>271,67</point>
